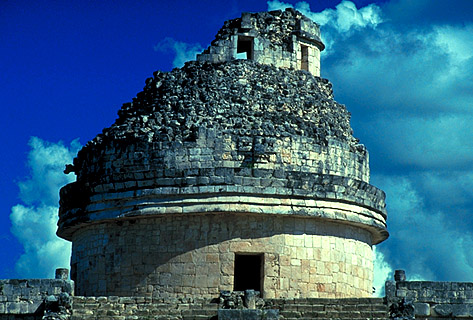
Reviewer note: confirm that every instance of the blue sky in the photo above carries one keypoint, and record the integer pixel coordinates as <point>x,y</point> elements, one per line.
<point>403,68</point>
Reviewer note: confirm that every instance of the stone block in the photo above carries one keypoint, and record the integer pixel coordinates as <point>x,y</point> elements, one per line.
<point>454,310</point>
<point>13,307</point>
<point>421,309</point>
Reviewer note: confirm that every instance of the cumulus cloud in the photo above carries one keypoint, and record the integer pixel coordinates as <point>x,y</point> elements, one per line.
<point>410,90</point>
<point>183,51</point>
<point>382,272</point>
<point>343,20</point>
<point>416,73</point>
<point>424,242</point>
<point>34,220</point>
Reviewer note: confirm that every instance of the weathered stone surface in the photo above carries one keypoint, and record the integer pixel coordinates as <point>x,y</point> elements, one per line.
<point>432,299</point>
<point>422,309</point>
<point>454,310</point>
<point>29,296</point>
<point>444,310</point>
<point>285,39</point>
<point>301,155</point>
<point>193,255</point>
<point>225,157</point>
<point>174,106</point>
<point>247,314</point>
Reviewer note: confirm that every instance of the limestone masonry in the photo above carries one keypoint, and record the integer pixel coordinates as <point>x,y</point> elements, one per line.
<point>282,39</point>
<point>223,161</point>
<point>230,188</point>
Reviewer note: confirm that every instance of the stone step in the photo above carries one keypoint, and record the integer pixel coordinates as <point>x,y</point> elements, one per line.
<point>201,313</point>
<point>299,311</point>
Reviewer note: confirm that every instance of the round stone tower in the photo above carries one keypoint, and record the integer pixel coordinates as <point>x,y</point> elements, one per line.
<point>230,174</point>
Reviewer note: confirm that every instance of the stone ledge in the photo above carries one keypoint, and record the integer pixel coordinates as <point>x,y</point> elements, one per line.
<point>129,204</point>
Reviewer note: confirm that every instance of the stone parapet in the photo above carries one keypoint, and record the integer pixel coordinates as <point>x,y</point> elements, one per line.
<point>27,296</point>
<point>429,299</point>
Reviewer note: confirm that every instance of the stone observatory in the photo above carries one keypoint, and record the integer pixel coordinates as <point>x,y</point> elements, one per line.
<point>237,171</point>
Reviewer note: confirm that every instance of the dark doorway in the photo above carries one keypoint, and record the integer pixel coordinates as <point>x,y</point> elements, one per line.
<point>304,57</point>
<point>248,272</point>
<point>245,45</point>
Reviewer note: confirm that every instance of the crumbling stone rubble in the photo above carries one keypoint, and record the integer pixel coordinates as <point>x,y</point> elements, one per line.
<point>242,98</point>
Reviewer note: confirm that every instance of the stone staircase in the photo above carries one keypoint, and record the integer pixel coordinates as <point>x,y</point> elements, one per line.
<point>114,308</point>
<point>361,308</point>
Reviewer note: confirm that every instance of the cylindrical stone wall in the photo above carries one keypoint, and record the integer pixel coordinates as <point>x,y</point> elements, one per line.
<point>193,255</point>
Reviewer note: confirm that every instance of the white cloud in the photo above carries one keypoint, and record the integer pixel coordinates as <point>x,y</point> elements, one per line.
<point>278,5</point>
<point>382,272</point>
<point>34,222</point>
<point>346,17</point>
<point>183,51</point>
<point>35,228</point>
<point>405,71</point>
<point>455,40</point>
<point>341,22</point>
<point>425,242</point>
<point>410,93</point>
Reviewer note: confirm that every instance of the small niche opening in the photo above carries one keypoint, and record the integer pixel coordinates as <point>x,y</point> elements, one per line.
<point>245,48</point>
<point>73,274</point>
<point>248,272</point>
<point>304,57</point>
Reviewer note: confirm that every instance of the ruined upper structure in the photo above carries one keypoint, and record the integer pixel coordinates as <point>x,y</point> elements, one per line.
<point>284,39</point>
<point>228,174</point>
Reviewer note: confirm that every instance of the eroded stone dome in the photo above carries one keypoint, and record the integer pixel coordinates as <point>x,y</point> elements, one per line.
<point>240,98</point>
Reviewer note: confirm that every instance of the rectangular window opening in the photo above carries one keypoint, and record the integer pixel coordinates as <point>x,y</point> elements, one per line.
<point>73,275</point>
<point>74,272</point>
<point>249,272</point>
<point>245,48</point>
<point>304,57</point>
